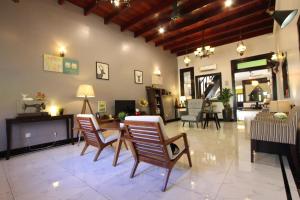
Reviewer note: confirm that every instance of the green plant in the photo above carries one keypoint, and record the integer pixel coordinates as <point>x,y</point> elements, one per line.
<point>225,96</point>
<point>122,115</point>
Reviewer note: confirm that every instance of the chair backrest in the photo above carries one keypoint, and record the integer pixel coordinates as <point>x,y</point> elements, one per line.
<point>90,128</point>
<point>194,106</point>
<point>148,137</point>
<point>217,106</point>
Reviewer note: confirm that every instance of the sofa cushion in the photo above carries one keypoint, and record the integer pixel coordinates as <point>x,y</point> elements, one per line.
<point>189,118</point>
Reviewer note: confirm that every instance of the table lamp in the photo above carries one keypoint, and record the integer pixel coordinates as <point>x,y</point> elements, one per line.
<point>85,91</point>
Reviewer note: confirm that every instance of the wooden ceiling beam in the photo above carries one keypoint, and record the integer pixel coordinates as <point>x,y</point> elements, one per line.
<point>212,21</point>
<point>152,12</point>
<point>61,2</point>
<point>185,9</point>
<point>115,13</point>
<point>90,7</point>
<point>239,24</point>
<point>225,34</point>
<point>231,39</point>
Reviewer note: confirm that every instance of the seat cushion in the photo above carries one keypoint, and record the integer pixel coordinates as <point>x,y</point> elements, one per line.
<point>113,136</point>
<point>189,118</point>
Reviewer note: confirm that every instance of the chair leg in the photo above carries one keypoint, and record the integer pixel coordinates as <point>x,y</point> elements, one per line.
<point>183,124</point>
<point>97,154</point>
<point>197,124</point>
<point>136,163</point>
<point>253,147</point>
<point>189,124</point>
<point>168,172</point>
<point>84,149</point>
<point>189,157</point>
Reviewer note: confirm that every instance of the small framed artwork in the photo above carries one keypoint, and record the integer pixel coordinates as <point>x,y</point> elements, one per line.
<point>138,77</point>
<point>102,71</point>
<point>101,106</point>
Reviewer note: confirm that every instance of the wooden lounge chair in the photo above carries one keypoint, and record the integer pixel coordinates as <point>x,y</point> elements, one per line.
<point>149,143</point>
<point>93,134</point>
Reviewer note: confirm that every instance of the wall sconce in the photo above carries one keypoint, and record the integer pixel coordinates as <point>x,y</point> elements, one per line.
<point>157,72</point>
<point>62,51</point>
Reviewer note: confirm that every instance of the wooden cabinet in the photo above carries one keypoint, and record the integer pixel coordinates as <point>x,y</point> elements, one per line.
<point>161,102</point>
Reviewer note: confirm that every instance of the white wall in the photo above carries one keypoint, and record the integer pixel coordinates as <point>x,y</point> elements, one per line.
<point>34,27</point>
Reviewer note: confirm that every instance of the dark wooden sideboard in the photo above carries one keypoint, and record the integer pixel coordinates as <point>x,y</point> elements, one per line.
<point>69,119</point>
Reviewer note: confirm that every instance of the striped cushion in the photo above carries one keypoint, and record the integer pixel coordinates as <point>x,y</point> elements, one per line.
<point>267,128</point>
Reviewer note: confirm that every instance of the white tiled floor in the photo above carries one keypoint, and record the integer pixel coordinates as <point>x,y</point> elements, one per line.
<point>221,170</point>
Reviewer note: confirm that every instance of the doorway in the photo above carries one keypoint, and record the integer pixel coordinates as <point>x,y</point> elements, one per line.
<point>253,84</point>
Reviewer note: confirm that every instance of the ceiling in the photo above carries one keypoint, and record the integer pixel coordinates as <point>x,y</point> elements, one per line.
<point>244,19</point>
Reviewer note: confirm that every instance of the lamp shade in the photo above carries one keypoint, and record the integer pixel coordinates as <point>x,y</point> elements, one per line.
<point>85,91</point>
<point>283,17</point>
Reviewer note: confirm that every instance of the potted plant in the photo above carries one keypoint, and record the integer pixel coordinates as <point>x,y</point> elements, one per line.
<point>122,116</point>
<point>224,97</point>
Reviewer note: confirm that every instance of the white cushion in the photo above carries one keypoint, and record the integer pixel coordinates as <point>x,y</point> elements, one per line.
<point>112,137</point>
<point>152,118</point>
<point>189,118</point>
<point>95,123</point>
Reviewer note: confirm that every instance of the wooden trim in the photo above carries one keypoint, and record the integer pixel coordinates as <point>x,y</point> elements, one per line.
<point>182,71</point>
<point>235,70</point>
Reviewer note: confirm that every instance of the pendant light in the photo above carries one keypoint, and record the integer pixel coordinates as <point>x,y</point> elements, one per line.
<point>241,47</point>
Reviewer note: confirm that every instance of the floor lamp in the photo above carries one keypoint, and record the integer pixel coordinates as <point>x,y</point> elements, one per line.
<point>85,91</point>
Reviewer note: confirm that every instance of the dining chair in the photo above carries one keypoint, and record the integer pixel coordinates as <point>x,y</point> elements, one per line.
<point>149,143</point>
<point>93,134</point>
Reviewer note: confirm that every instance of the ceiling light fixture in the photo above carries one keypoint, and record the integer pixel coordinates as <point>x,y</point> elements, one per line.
<point>282,17</point>
<point>161,30</point>
<point>187,60</point>
<point>204,51</point>
<point>228,3</point>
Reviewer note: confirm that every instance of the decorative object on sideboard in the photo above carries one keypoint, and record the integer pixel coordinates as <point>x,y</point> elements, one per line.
<point>102,71</point>
<point>138,77</point>
<point>33,106</point>
<point>122,116</point>
<point>143,103</point>
<point>85,91</point>
<point>224,97</point>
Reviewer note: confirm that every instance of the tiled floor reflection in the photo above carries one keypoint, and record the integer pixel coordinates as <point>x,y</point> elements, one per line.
<point>221,170</point>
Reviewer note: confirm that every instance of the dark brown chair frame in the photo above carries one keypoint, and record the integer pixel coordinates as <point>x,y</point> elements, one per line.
<point>91,136</point>
<point>148,145</point>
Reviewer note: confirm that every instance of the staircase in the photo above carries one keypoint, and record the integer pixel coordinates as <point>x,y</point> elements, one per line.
<point>209,86</point>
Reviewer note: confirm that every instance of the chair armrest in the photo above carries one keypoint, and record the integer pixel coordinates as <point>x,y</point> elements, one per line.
<point>169,141</point>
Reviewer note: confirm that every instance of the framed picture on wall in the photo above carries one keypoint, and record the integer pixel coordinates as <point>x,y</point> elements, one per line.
<point>102,71</point>
<point>138,77</point>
